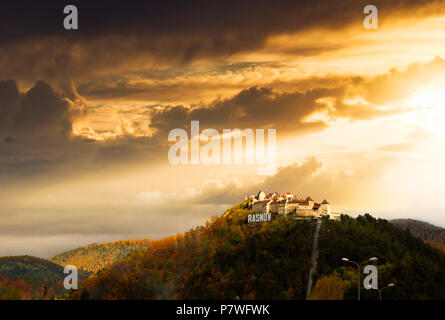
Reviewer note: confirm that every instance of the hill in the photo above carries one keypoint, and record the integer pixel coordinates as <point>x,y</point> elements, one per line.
<point>416,268</point>
<point>94,257</point>
<point>421,229</point>
<point>431,234</point>
<point>26,277</point>
<point>229,259</point>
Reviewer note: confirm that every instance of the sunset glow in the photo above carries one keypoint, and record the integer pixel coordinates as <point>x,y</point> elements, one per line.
<point>85,116</point>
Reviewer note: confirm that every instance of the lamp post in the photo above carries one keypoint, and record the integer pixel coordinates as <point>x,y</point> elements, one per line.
<point>380,290</point>
<point>358,265</point>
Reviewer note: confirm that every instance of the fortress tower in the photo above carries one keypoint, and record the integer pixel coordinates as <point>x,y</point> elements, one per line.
<point>325,208</point>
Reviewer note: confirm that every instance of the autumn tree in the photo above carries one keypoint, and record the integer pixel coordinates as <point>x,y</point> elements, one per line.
<point>328,288</point>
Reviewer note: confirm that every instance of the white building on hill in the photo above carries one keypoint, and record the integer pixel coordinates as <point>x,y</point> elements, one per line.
<point>285,204</point>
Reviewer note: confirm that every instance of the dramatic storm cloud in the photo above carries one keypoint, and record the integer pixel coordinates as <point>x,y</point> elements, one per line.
<point>40,114</point>
<point>115,35</point>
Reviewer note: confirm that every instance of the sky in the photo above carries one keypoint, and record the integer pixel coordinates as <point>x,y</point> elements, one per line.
<point>85,114</point>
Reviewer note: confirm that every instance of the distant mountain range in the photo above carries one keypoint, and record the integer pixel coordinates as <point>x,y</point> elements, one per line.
<point>94,257</point>
<point>432,234</point>
<point>29,278</point>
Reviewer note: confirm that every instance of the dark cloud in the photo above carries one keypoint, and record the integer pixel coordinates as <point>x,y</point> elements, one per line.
<point>221,18</point>
<point>40,114</point>
<point>258,107</point>
<point>146,33</point>
<point>35,129</point>
<point>251,108</point>
<point>36,125</point>
<point>187,86</point>
<point>36,135</point>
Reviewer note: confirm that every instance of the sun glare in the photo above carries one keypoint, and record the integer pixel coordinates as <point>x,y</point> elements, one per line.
<point>429,109</point>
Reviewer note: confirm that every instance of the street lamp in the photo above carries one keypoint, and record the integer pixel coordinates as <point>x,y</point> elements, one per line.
<point>358,265</point>
<point>388,286</point>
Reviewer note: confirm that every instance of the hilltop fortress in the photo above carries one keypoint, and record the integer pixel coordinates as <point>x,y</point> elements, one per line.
<point>287,204</point>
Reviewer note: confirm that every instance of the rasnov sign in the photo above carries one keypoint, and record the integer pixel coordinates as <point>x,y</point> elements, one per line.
<point>259,217</point>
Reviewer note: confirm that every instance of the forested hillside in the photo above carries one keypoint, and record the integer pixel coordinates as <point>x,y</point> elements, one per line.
<point>422,230</point>
<point>431,234</point>
<point>229,259</point>
<point>94,257</point>
<point>26,277</point>
<point>417,269</point>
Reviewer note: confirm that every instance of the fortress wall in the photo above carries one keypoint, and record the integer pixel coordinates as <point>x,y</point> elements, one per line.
<point>306,212</point>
